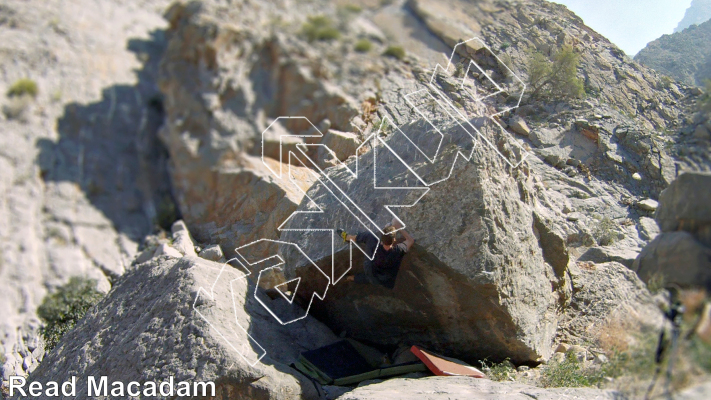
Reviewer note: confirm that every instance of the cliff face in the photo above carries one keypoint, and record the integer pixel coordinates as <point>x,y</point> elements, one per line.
<point>684,56</point>
<point>83,173</point>
<point>129,118</point>
<point>698,12</point>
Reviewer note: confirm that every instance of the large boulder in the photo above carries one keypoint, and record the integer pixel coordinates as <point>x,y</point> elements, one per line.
<point>686,205</point>
<point>475,285</point>
<point>678,258</point>
<point>153,326</point>
<point>681,254</point>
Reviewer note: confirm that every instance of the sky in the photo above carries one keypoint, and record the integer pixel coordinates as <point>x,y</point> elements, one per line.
<point>630,24</point>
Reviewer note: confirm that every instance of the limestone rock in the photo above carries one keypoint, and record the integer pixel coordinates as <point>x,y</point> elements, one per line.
<point>606,292</point>
<point>159,325</point>
<point>344,144</point>
<point>460,248</point>
<point>684,205</point>
<point>623,256</point>
<point>182,240</point>
<point>678,257</point>
<point>647,205</point>
<point>457,387</point>
<point>212,252</point>
<point>519,126</point>
<point>166,250</point>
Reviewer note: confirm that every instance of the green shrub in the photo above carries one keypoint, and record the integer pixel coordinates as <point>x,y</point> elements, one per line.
<point>605,231</point>
<point>395,51</point>
<point>320,27</point>
<point>23,86</point>
<point>498,371</point>
<point>61,310</point>
<point>363,46</point>
<point>570,373</point>
<point>555,79</point>
<point>505,45</point>
<point>666,82</point>
<point>354,8</point>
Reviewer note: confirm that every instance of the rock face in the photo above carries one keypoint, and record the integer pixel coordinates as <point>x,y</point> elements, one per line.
<point>443,388</point>
<point>157,333</point>
<point>475,248</point>
<point>602,293</point>
<point>682,55</point>
<point>84,176</point>
<point>681,254</point>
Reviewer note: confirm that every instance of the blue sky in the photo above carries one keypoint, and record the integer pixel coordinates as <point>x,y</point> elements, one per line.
<point>630,24</point>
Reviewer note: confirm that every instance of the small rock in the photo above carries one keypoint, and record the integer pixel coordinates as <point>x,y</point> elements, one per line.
<point>552,159</point>
<point>165,249</point>
<point>519,126</point>
<point>558,358</point>
<point>324,125</point>
<point>212,252</point>
<point>573,162</point>
<point>181,239</point>
<point>647,205</point>
<point>562,348</point>
<point>572,217</point>
<point>600,359</point>
<point>579,351</point>
<point>636,176</point>
<point>26,363</point>
<point>343,144</point>
<point>523,368</point>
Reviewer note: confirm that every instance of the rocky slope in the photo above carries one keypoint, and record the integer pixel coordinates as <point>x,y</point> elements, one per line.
<point>684,56</point>
<point>157,334</point>
<point>159,331</point>
<point>83,171</point>
<point>698,12</point>
<point>92,177</point>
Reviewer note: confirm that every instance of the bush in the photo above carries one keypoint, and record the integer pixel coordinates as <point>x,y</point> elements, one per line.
<point>605,231</point>
<point>61,310</point>
<point>22,87</point>
<point>557,78</point>
<point>570,373</point>
<point>395,51</point>
<point>354,8</point>
<point>363,46</point>
<point>320,27</point>
<point>498,372</point>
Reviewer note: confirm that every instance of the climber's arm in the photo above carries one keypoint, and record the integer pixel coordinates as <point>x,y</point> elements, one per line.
<point>409,240</point>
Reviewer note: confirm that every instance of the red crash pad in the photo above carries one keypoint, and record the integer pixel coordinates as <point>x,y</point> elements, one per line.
<point>444,366</point>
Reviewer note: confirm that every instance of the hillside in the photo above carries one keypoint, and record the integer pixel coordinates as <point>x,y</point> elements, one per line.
<point>684,56</point>
<point>698,12</point>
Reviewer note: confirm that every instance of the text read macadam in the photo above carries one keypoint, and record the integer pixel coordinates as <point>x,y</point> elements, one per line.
<point>115,389</point>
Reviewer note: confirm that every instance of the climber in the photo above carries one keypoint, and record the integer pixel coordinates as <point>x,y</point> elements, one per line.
<point>384,266</point>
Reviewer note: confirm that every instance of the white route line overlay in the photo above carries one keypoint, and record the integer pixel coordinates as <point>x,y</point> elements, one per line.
<point>439,98</point>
